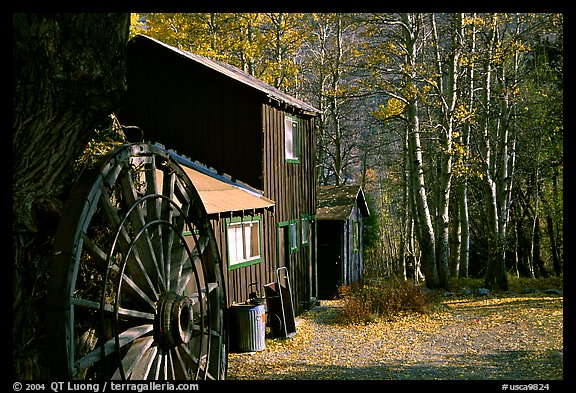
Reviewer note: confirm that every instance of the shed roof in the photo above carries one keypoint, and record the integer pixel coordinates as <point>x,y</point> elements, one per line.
<point>221,194</point>
<point>336,202</point>
<point>238,75</point>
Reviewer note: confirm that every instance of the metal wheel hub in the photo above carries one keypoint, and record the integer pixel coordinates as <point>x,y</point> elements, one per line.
<point>173,320</point>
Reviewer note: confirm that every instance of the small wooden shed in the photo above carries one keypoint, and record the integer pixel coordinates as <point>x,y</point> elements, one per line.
<point>249,133</point>
<point>340,213</point>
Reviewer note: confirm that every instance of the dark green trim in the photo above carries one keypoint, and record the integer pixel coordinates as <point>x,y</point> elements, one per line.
<point>288,224</point>
<point>188,233</point>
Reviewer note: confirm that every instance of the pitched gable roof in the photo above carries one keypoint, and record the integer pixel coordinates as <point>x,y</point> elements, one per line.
<point>336,202</point>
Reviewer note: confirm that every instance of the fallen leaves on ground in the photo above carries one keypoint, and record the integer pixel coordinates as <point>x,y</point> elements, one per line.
<point>514,337</point>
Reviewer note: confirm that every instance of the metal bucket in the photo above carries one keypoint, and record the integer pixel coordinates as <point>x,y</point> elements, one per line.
<point>248,327</point>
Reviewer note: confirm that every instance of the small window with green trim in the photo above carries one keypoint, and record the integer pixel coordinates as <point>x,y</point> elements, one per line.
<point>244,242</point>
<point>292,139</point>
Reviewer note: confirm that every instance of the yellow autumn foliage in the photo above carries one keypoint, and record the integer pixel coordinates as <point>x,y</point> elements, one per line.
<point>393,108</point>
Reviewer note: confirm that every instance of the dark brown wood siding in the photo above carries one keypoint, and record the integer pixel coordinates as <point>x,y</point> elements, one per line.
<point>292,187</point>
<point>195,111</point>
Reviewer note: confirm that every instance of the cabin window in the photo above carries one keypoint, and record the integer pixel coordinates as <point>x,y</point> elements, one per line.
<point>292,138</point>
<point>244,242</point>
<point>293,235</point>
<point>305,229</point>
<point>356,235</point>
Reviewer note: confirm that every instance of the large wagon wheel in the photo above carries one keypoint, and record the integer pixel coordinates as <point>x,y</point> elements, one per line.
<point>135,288</point>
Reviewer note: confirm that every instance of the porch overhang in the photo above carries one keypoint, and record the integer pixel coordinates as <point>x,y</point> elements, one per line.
<point>221,195</point>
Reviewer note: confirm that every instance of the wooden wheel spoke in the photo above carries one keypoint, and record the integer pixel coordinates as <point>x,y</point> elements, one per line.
<point>109,308</point>
<point>138,220</point>
<point>134,289</point>
<point>172,188</point>
<point>143,367</point>
<point>198,365</point>
<point>140,277</point>
<point>182,196</point>
<point>179,366</point>
<point>202,295</point>
<point>98,256</point>
<point>153,212</point>
<point>160,371</point>
<point>124,338</point>
<point>135,266</point>
<point>134,356</point>
<point>189,359</point>
<point>173,251</point>
<point>181,274</point>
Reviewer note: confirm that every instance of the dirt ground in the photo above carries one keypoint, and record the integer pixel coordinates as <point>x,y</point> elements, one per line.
<point>513,337</point>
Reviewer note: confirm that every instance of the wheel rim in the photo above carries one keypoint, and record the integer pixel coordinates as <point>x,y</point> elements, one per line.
<point>135,288</point>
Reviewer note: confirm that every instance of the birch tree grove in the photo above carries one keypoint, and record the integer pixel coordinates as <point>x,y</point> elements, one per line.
<point>439,109</point>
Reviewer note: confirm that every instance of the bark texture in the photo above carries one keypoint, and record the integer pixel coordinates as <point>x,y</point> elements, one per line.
<point>68,76</point>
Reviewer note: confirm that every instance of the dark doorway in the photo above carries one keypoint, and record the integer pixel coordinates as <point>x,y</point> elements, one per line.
<point>329,258</point>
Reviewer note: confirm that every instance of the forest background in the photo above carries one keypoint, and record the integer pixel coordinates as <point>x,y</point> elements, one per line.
<point>452,123</point>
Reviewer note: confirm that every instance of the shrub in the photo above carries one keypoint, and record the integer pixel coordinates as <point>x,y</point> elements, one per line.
<point>515,284</point>
<point>366,302</point>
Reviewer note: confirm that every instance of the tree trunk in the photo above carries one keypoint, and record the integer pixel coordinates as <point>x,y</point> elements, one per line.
<point>464,253</point>
<point>523,251</point>
<point>536,255</point>
<point>426,230</point>
<point>455,248</point>
<point>495,277</point>
<point>448,92</point>
<point>554,248</point>
<point>69,74</point>
<point>463,188</point>
<point>334,104</point>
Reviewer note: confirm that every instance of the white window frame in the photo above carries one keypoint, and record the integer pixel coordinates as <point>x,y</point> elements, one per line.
<point>243,242</point>
<point>292,139</point>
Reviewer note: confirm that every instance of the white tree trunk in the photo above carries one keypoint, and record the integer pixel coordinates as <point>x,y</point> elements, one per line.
<point>427,240</point>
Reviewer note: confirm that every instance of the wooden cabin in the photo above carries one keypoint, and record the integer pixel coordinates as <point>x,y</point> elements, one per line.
<point>340,214</point>
<point>250,134</point>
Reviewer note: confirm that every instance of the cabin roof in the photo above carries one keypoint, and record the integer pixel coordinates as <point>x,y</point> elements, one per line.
<point>238,75</point>
<point>336,202</point>
<point>220,194</point>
